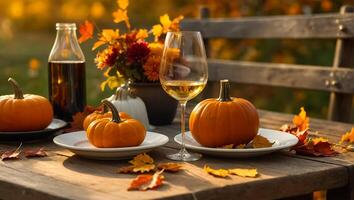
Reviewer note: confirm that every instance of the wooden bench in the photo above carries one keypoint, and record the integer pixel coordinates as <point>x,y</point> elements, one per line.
<point>337,79</point>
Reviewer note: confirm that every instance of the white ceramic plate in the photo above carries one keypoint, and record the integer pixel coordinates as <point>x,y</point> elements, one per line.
<point>77,143</point>
<point>281,141</point>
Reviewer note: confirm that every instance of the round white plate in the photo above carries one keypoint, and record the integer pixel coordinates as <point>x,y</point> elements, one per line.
<point>77,143</point>
<point>281,140</point>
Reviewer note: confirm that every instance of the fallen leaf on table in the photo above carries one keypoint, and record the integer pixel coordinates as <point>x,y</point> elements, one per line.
<point>350,148</point>
<point>348,137</point>
<point>261,142</point>
<point>316,147</point>
<point>143,168</point>
<point>142,159</point>
<point>216,172</point>
<point>12,154</point>
<point>78,119</point>
<point>35,153</point>
<point>169,167</point>
<point>146,181</point>
<point>140,164</point>
<point>301,121</point>
<point>319,139</point>
<point>244,172</point>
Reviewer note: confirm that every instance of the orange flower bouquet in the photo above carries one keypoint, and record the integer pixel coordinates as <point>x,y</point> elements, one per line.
<point>129,56</point>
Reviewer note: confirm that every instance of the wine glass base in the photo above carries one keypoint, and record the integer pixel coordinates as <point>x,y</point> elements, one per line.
<point>184,155</point>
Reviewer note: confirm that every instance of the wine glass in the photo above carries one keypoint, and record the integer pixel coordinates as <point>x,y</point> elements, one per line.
<point>183,75</point>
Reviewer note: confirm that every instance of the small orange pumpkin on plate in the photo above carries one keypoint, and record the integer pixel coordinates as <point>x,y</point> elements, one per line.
<point>101,114</point>
<point>24,112</point>
<point>224,121</point>
<point>115,132</point>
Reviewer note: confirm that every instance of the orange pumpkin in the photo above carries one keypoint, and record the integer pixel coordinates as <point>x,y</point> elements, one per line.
<point>223,121</point>
<point>21,112</point>
<point>115,132</point>
<point>101,114</point>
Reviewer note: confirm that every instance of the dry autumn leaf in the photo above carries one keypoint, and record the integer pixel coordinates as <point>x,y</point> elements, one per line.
<point>35,153</point>
<point>140,164</point>
<point>169,167</point>
<point>316,147</point>
<point>120,16</point>
<point>244,172</point>
<point>143,168</point>
<point>123,4</point>
<point>86,31</point>
<point>78,119</point>
<point>348,137</point>
<point>142,159</point>
<point>261,142</point>
<point>12,154</point>
<point>301,120</point>
<point>216,172</point>
<point>146,181</point>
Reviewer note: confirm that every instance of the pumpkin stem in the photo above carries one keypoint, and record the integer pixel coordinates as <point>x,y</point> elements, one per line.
<point>18,94</point>
<point>123,92</point>
<point>115,113</point>
<point>105,109</point>
<point>224,90</point>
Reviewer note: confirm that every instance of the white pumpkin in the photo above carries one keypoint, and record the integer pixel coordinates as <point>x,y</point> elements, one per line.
<point>125,101</point>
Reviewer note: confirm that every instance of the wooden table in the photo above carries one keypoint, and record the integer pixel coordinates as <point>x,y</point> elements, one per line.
<point>63,175</point>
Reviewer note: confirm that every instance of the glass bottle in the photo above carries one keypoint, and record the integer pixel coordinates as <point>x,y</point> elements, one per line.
<point>66,73</point>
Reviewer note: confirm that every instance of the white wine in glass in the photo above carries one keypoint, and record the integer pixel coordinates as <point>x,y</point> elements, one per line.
<point>183,75</point>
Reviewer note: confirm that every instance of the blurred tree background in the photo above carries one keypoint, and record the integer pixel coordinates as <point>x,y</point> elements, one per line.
<point>27,33</point>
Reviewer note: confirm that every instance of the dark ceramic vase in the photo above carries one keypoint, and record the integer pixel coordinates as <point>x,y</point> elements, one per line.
<point>161,108</point>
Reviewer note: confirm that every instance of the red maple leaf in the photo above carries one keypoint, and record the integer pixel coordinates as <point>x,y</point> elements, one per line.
<point>86,31</point>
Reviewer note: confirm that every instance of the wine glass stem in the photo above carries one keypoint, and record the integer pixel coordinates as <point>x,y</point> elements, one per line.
<point>183,123</point>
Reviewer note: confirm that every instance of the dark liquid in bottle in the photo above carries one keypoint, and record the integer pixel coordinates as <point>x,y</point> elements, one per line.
<point>67,89</point>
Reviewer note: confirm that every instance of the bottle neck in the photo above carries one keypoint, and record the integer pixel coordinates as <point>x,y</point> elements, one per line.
<point>66,46</point>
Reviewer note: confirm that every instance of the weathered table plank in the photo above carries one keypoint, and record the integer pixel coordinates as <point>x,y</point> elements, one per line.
<point>65,176</point>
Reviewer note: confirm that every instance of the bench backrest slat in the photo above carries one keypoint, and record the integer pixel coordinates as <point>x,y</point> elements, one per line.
<point>312,26</point>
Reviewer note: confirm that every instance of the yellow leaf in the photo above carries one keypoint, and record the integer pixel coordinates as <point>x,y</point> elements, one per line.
<point>261,142</point>
<point>348,137</point>
<point>141,159</point>
<point>120,16</point>
<point>112,81</point>
<point>244,172</point>
<point>165,21</point>
<point>175,23</point>
<point>169,167</point>
<point>157,30</point>
<point>156,48</point>
<point>98,44</point>
<point>109,35</point>
<point>144,168</point>
<point>319,139</point>
<point>123,4</point>
<point>301,121</point>
<point>142,34</point>
<point>216,172</point>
